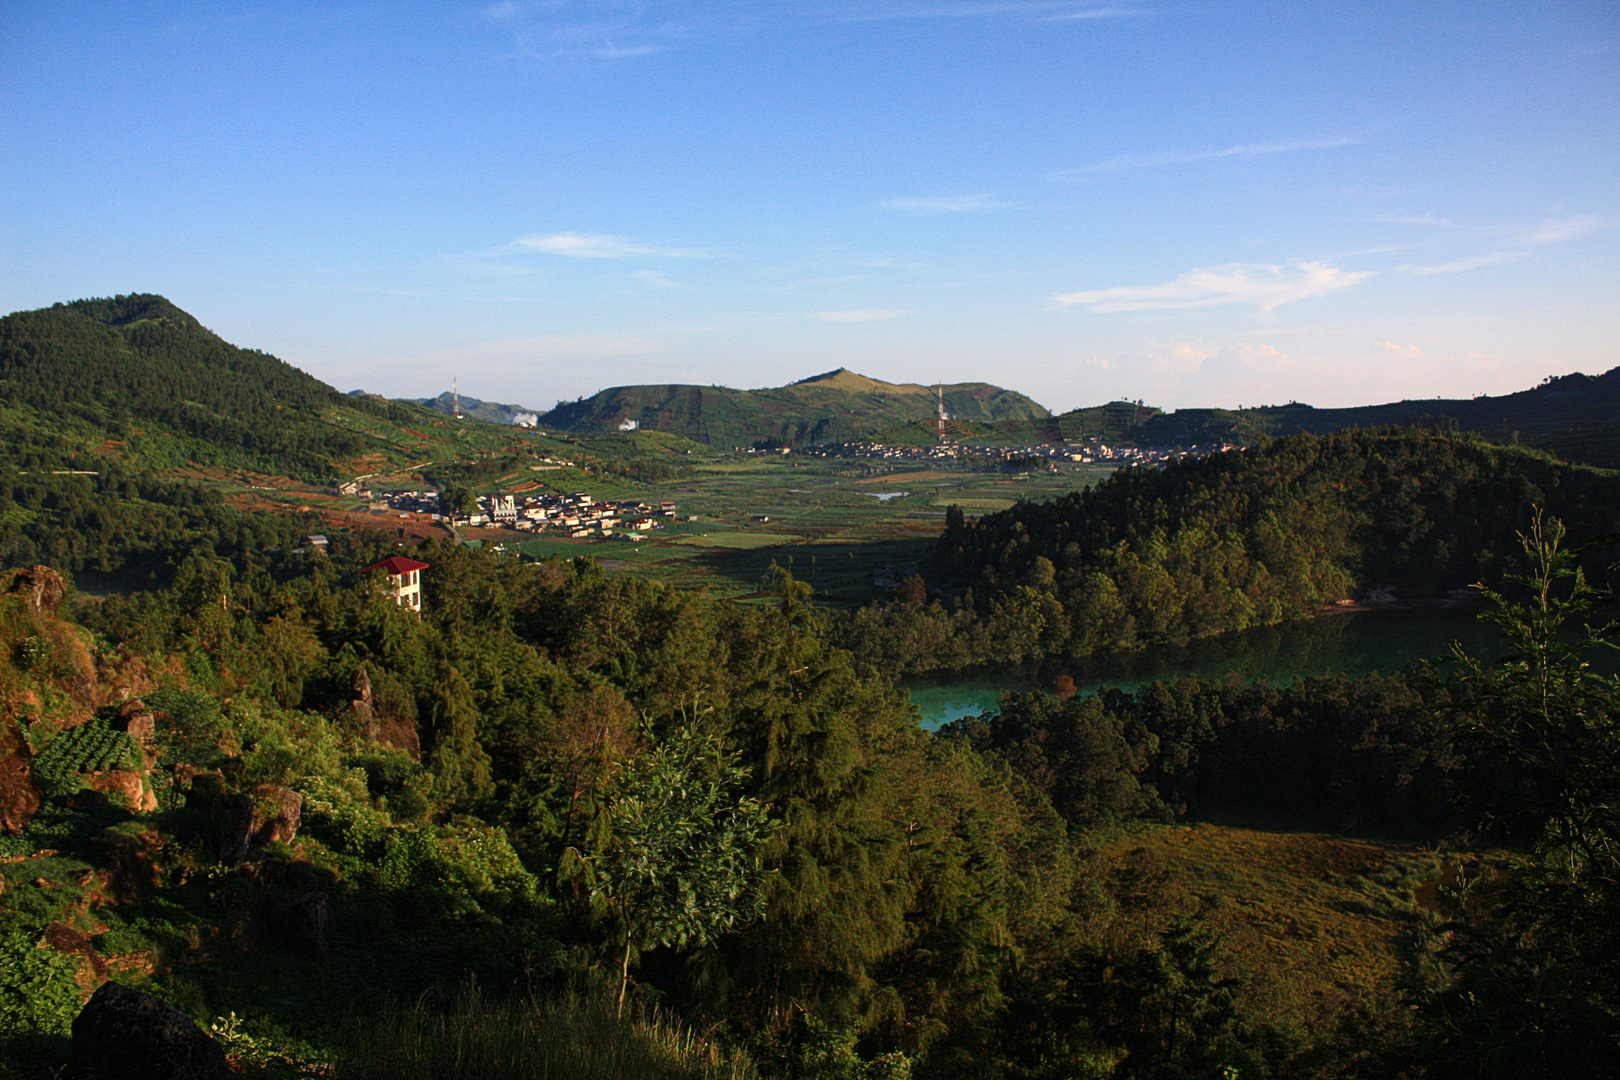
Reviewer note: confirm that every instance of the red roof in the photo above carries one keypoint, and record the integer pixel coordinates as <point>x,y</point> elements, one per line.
<point>397,565</point>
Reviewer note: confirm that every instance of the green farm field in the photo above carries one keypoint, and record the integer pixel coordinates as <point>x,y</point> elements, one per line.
<point>830,522</point>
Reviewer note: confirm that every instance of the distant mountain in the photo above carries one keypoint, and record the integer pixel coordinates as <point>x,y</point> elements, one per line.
<point>490,411</point>
<point>1576,417</point>
<point>838,406</point>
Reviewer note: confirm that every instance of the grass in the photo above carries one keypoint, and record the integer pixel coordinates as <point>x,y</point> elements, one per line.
<point>1311,922</point>
<point>571,1036</point>
<point>741,541</point>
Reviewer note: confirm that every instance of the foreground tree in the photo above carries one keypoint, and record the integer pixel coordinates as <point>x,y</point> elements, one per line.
<point>682,863</point>
<point>1536,989</point>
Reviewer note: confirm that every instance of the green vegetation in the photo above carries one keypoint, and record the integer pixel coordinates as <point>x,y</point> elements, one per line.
<point>1223,543</point>
<point>568,821</point>
<point>839,406</point>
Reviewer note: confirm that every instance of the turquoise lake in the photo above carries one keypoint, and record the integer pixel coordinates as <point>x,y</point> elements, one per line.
<point>1352,643</point>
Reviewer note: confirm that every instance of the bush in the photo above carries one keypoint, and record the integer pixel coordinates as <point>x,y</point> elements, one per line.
<point>38,991</point>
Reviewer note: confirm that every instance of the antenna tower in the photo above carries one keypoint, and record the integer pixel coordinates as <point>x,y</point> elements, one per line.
<point>942,417</point>
<point>455,397</point>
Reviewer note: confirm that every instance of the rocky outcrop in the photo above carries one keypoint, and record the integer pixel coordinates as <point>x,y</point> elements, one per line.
<point>123,1034</point>
<point>63,939</point>
<point>126,788</point>
<point>19,794</point>
<point>40,587</point>
<point>375,724</point>
<point>236,816</point>
<point>278,813</point>
<point>140,724</point>
<point>400,734</point>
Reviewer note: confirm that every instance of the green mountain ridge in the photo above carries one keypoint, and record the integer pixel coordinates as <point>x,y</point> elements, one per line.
<point>1576,417</point>
<point>837,406</point>
<point>139,373</point>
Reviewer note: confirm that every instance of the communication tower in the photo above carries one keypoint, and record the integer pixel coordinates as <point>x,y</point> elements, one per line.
<point>455,397</point>
<point>942,415</point>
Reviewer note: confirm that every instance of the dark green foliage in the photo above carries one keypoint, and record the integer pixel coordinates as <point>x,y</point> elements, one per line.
<point>1231,541</point>
<point>1534,985</point>
<point>138,363</point>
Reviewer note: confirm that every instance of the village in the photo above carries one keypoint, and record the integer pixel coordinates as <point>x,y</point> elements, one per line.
<point>1091,453</point>
<point>576,515</point>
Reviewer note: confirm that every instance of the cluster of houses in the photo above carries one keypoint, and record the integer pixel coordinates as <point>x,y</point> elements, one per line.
<point>577,515</point>
<point>1087,453</point>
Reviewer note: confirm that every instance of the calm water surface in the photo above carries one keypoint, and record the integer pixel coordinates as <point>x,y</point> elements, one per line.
<point>1353,643</point>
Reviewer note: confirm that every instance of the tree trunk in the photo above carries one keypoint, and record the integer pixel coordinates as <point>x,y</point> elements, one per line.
<point>624,972</point>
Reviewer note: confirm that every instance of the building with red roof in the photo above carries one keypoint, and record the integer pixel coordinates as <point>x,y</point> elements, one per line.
<point>405,578</point>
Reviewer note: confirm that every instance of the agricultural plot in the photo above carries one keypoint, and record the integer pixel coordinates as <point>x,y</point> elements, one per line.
<point>831,523</point>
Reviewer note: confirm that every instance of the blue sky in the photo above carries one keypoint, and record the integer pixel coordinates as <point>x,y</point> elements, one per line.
<point>1190,203</point>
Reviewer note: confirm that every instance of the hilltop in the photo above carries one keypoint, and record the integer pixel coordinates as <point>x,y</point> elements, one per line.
<point>837,406</point>
<point>491,412</point>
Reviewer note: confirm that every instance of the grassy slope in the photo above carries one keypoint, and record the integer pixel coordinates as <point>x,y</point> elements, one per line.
<point>1311,922</point>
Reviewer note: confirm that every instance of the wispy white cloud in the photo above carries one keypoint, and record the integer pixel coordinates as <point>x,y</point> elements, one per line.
<point>859,315</point>
<point>1522,240</point>
<point>1552,232</point>
<point>506,9</point>
<point>1493,258</point>
<point>1419,219</point>
<point>946,204</point>
<point>609,51</point>
<point>979,9</point>
<point>586,246</point>
<point>1408,350</point>
<point>1241,151</point>
<point>1266,287</point>
<point>1097,13</point>
<point>657,280</point>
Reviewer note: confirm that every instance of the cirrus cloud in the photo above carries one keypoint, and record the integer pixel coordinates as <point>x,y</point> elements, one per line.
<point>1265,286</point>
<point>585,246</point>
<point>946,204</point>
<point>859,315</point>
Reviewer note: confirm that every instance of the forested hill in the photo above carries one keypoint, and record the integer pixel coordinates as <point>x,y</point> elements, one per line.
<point>1574,416</point>
<point>1230,541</point>
<point>136,372</point>
<point>838,406</point>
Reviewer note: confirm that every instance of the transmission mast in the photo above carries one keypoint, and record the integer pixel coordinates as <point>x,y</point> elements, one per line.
<point>455,398</point>
<point>941,415</point>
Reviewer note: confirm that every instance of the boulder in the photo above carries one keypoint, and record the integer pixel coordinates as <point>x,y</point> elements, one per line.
<point>126,788</point>
<point>278,815</point>
<point>365,719</point>
<point>362,685</point>
<point>236,817</point>
<point>123,1034</point>
<point>138,722</point>
<point>40,587</point>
